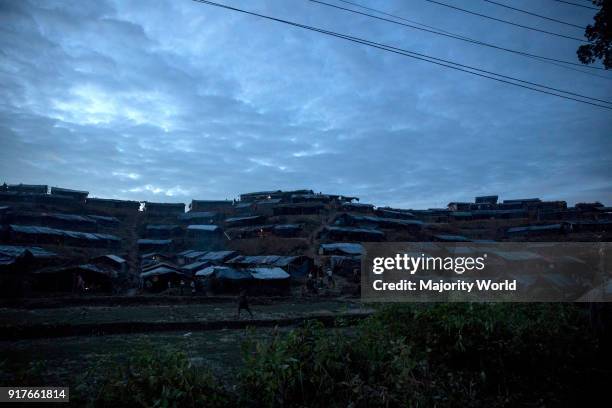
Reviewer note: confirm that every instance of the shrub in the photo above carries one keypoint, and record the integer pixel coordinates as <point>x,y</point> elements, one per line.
<point>430,355</point>
<point>151,378</point>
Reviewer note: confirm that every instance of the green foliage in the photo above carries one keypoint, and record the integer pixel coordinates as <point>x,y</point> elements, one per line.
<point>150,378</point>
<point>444,355</point>
<point>317,367</point>
<point>423,355</point>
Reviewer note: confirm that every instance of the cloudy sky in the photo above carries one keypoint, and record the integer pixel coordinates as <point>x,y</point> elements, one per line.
<point>174,100</point>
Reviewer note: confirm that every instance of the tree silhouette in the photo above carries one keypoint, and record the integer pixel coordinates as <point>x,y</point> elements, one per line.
<point>599,35</point>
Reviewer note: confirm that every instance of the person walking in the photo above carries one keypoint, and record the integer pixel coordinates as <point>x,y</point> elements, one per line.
<point>243,303</point>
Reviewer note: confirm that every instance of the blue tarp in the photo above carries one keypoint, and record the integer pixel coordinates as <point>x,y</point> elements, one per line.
<point>344,247</point>
<point>274,273</point>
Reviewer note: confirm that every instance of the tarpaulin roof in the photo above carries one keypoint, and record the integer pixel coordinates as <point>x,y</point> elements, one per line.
<point>274,273</point>
<point>194,254</point>
<point>235,219</point>
<point>92,236</point>
<point>208,271</point>
<point>84,267</point>
<point>380,220</point>
<point>287,227</point>
<point>104,218</point>
<point>66,217</point>
<point>152,254</point>
<point>232,274</point>
<point>114,258</point>
<point>209,228</point>
<point>162,227</point>
<point>60,190</point>
<point>274,260</point>
<point>226,202</point>
<point>451,238</point>
<point>154,241</point>
<point>551,227</point>
<point>217,255</point>
<point>355,230</point>
<point>16,251</point>
<point>195,266</point>
<point>161,270</point>
<point>358,205</point>
<point>345,247</point>
<point>203,214</point>
<point>154,265</point>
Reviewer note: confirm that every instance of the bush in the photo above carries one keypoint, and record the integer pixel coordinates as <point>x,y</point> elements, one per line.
<point>315,367</point>
<point>151,378</point>
<point>423,355</point>
<point>442,355</point>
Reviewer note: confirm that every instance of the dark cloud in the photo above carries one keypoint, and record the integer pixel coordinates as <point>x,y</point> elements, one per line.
<point>176,100</point>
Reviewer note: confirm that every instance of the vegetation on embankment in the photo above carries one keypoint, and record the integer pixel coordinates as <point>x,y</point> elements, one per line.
<point>404,355</point>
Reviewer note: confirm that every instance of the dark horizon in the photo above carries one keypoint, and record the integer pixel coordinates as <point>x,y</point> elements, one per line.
<point>165,199</point>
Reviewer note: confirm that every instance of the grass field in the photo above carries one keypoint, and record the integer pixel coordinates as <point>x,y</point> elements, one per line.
<point>61,361</point>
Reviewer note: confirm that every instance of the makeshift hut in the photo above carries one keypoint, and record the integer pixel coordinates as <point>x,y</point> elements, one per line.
<point>27,188</point>
<point>76,195</point>
<point>224,279</point>
<point>95,279</point>
<point>200,217</point>
<point>296,266</point>
<point>352,234</point>
<point>221,206</point>
<point>160,245</point>
<point>164,209</point>
<point>204,236</point>
<point>357,207</point>
<point>163,231</point>
<point>306,208</point>
<point>341,248</point>
<point>189,256</point>
<point>16,263</point>
<point>45,235</point>
<point>287,230</point>
<point>105,204</point>
<point>158,278</point>
<point>114,262</point>
<point>218,257</point>
<point>244,221</point>
<point>269,281</point>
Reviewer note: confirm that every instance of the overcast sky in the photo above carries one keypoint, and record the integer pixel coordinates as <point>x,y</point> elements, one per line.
<point>174,100</point>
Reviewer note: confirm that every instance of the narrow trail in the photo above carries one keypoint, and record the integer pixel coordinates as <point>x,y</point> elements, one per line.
<point>38,331</point>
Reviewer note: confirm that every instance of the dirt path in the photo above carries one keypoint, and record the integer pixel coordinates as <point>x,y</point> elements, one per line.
<point>80,321</point>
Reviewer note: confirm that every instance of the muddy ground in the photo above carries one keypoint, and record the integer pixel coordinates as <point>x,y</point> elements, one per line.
<point>211,336</point>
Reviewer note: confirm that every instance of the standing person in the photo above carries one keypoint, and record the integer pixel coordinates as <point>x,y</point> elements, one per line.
<point>80,284</point>
<point>193,288</point>
<point>182,287</point>
<point>311,285</point>
<point>243,303</point>
<point>330,278</point>
<point>356,277</point>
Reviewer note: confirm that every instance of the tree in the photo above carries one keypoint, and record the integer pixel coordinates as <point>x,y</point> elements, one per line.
<point>599,35</point>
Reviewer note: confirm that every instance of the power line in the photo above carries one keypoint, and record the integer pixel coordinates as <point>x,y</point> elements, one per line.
<point>437,31</point>
<point>506,21</point>
<point>534,14</point>
<point>422,57</point>
<point>577,5</point>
